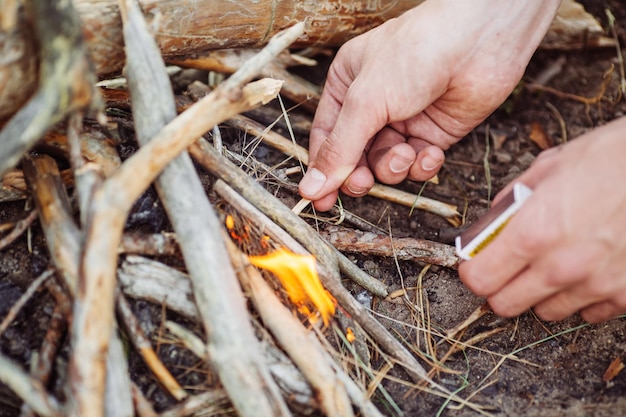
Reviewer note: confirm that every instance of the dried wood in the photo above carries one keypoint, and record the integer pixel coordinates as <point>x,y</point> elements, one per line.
<point>143,407</point>
<point>574,28</point>
<point>95,147</point>
<point>288,147</point>
<point>378,244</point>
<point>300,91</point>
<point>303,347</point>
<point>52,203</point>
<point>28,389</point>
<point>235,352</point>
<point>18,229</point>
<point>296,389</point>
<point>65,80</point>
<point>47,354</point>
<point>207,402</point>
<point>154,281</point>
<point>158,244</point>
<point>17,306</point>
<point>279,235</point>
<point>93,311</point>
<point>13,186</point>
<point>326,255</point>
<point>144,348</point>
<point>117,394</point>
<point>221,25</point>
<point>64,238</point>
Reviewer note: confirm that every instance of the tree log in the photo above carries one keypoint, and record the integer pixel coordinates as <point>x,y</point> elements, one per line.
<point>186,28</point>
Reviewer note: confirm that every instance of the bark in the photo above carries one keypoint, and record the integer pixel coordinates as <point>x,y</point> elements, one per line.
<point>234,349</point>
<point>186,28</point>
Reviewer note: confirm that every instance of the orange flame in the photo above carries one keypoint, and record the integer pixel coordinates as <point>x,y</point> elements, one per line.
<point>298,276</point>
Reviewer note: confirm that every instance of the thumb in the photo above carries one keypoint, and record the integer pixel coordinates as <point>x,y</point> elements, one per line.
<point>337,141</point>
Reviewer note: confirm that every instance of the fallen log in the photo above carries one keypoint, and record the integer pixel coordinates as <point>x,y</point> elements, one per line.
<point>183,29</point>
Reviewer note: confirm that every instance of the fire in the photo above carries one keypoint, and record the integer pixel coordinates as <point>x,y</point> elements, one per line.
<point>298,276</point>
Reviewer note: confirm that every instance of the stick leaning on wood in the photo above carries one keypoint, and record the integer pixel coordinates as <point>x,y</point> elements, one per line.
<point>111,203</point>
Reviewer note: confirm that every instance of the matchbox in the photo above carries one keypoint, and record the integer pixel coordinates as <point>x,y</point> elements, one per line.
<point>476,237</point>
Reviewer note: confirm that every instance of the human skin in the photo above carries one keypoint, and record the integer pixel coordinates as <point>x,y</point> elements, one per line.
<point>396,97</point>
<point>565,250</point>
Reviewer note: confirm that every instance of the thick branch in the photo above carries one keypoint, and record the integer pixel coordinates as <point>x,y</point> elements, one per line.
<point>93,312</point>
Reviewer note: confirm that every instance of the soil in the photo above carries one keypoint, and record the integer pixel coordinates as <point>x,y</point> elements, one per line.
<point>526,367</point>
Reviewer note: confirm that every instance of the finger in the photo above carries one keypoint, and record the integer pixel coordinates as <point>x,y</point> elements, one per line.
<point>326,202</point>
<point>359,182</point>
<point>427,164</point>
<point>527,236</point>
<point>390,156</point>
<point>444,132</point>
<point>339,153</point>
<point>549,284</point>
<point>600,312</point>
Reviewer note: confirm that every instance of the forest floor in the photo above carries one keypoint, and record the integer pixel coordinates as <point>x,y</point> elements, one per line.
<point>522,366</point>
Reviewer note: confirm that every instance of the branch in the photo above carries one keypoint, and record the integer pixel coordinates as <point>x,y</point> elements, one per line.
<point>93,311</point>
<point>235,351</point>
<point>410,249</point>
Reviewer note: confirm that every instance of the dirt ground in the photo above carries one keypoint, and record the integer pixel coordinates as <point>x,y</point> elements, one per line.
<point>526,367</point>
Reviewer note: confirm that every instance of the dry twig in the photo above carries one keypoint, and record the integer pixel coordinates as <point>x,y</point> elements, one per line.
<point>143,346</point>
<point>235,352</point>
<point>93,312</point>
<point>29,389</point>
<point>290,148</point>
<point>18,229</point>
<point>16,308</point>
<point>378,244</point>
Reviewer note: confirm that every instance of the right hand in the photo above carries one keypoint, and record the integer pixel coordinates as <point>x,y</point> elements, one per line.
<point>397,96</point>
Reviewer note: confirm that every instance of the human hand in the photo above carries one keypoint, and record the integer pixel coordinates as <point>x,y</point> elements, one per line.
<point>396,97</point>
<point>565,250</point>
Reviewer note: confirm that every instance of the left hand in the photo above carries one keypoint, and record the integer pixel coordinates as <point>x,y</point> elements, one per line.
<point>565,250</point>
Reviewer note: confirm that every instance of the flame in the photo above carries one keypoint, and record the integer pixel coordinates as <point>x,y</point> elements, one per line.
<point>298,276</point>
<point>350,337</point>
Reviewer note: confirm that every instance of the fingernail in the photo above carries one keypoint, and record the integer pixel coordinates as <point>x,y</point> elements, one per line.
<point>429,163</point>
<point>356,190</point>
<point>399,164</point>
<point>312,182</point>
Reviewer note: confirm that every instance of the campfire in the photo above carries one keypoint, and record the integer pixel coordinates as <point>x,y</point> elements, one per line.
<point>256,292</point>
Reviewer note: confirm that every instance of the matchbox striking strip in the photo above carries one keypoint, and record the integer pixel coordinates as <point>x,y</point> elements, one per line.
<point>485,229</point>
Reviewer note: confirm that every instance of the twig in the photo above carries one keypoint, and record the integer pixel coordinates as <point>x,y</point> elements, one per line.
<point>151,280</point>
<point>559,118</point>
<point>286,146</point>
<point>297,390</point>
<point>158,244</point>
<point>303,348</point>
<point>53,207</point>
<point>235,351</point>
<point>210,403</point>
<point>93,313</point>
<point>326,255</point>
<point>227,61</point>
<point>18,229</point>
<point>379,244</point>
<point>142,405</point>
<point>30,390</point>
<point>476,314</point>
<point>143,346</point>
<point>15,308</point>
<point>13,187</point>
<point>618,49</point>
<point>279,235</point>
<point>49,348</point>
<point>117,395</point>
<point>66,82</point>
